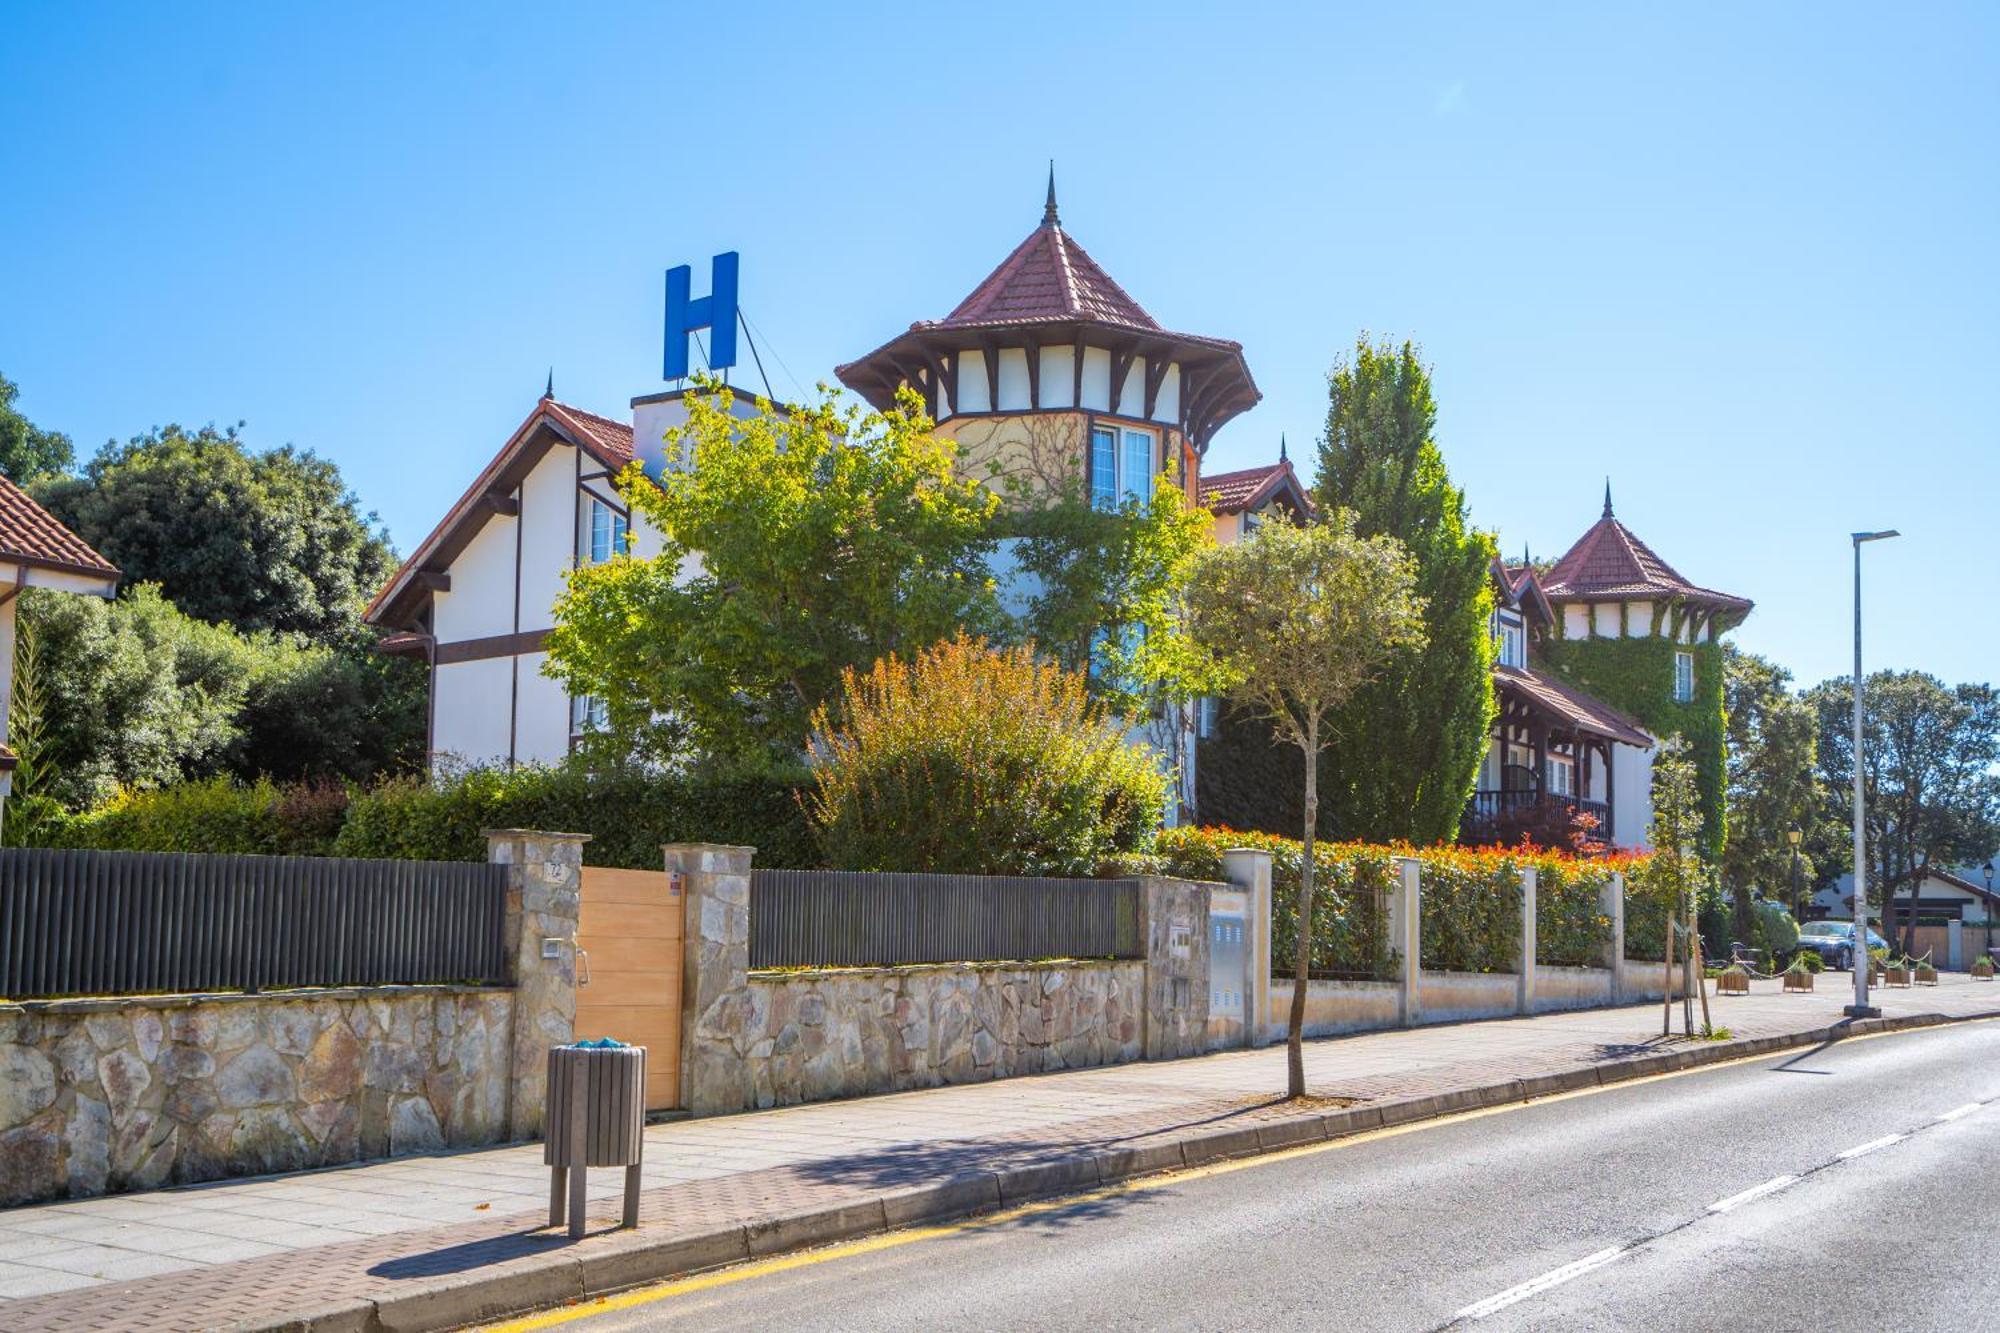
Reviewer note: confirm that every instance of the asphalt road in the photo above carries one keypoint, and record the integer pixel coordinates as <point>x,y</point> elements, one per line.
<point>1471,1222</point>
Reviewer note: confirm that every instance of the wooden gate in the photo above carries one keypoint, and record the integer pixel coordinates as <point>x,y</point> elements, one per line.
<point>629,971</point>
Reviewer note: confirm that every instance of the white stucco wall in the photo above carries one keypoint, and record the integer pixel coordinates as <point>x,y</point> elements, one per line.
<point>471,709</point>
<point>480,602</point>
<point>1576,621</point>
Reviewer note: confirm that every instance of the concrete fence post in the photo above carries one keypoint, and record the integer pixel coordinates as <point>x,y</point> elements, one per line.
<point>1954,945</point>
<point>715,966</point>
<point>1173,922</point>
<point>1524,965</point>
<point>1406,921</point>
<point>1613,906</point>
<point>544,899</point>
<point>1250,870</point>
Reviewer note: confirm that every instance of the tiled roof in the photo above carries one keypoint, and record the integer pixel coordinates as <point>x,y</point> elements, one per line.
<point>612,439</point>
<point>1572,706</point>
<point>30,535</point>
<point>1610,562</point>
<point>1048,277</point>
<point>1234,492</point>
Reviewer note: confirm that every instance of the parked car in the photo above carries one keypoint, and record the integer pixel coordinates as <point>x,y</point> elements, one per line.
<point>1833,941</point>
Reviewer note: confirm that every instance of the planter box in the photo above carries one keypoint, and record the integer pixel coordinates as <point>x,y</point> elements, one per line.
<point>1732,981</point>
<point>1926,976</point>
<point>1798,981</point>
<point>1897,976</point>
<point>1982,970</point>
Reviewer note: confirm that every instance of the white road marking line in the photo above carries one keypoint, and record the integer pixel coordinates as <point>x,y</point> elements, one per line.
<point>1555,1277</point>
<point>1754,1192</point>
<point>1958,1111</point>
<point>1871,1146</point>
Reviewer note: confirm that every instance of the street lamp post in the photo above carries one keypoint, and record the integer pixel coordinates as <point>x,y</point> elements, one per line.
<point>1862,962</point>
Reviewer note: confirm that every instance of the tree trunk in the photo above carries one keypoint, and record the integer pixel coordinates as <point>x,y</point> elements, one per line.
<point>1295,1055</point>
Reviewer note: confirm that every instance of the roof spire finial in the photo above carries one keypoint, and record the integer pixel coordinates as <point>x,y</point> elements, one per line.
<point>550,391</point>
<point>1607,497</point>
<point>1049,218</point>
<point>1282,458</point>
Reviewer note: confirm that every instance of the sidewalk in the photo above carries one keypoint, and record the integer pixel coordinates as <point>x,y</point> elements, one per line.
<point>439,1241</point>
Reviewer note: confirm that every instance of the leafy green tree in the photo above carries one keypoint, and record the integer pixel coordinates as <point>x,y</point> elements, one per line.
<point>796,544</point>
<point>1413,737</point>
<point>1298,620</point>
<point>1680,868</point>
<point>26,450</point>
<point>269,540</point>
<point>1773,785</point>
<point>1932,792</point>
<point>134,694</point>
<point>312,712</point>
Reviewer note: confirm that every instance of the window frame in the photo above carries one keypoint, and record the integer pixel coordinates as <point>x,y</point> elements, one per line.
<point>616,531</point>
<point>1683,670</point>
<point>1122,432</point>
<point>1559,763</point>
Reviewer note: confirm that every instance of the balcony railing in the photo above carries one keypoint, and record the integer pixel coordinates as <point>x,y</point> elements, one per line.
<point>1492,811</point>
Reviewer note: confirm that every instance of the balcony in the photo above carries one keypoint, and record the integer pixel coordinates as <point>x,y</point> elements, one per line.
<point>1505,817</point>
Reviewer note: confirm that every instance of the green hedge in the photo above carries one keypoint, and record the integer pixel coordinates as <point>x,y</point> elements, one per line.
<point>1471,909</point>
<point>1349,935</point>
<point>1648,903</point>
<point>1571,927</point>
<point>627,813</point>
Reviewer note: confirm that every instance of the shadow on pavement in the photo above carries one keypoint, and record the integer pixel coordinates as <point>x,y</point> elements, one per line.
<point>473,1254</point>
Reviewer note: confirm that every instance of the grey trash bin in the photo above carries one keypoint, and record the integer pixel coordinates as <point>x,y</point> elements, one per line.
<point>596,1117</point>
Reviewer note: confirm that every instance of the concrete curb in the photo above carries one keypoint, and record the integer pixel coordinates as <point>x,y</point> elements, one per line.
<point>634,1258</point>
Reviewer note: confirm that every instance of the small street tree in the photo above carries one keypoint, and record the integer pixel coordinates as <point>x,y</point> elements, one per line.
<point>1297,620</point>
<point>1679,868</point>
<point>798,543</point>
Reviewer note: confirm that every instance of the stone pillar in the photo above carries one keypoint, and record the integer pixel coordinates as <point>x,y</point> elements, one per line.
<point>715,965</point>
<point>1250,870</point>
<point>1524,965</point>
<point>1406,919</point>
<point>1954,945</point>
<point>1613,906</point>
<point>544,898</point>
<point>1173,922</point>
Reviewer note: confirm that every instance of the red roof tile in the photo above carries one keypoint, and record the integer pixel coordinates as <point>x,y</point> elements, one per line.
<point>30,535</point>
<point>612,439</point>
<point>1234,492</point>
<point>1572,706</point>
<point>1609,562</point>
<point>1049,277</point>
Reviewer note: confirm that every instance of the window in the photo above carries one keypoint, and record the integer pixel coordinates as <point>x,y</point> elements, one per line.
<point>608,528</point>
<point>1121,466</point>
<point>1683,678</point>
<point>1562,775</point>
<point>587,714</point>
<point>1207,716</point>
<point>1513,639</point>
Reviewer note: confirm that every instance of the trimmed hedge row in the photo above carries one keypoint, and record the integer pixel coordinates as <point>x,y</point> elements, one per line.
<point>628,814</point>
<point>1471,902</point>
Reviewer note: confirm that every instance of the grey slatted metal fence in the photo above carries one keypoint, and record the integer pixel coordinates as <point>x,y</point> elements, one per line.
<point>834,918</point>
<point>108,923</point>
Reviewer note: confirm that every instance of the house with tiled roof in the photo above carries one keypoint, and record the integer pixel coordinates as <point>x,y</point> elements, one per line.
<point>1242,500</point>
<point>37,551</point>
<point>1601,656</point>
<point>1047,376</point>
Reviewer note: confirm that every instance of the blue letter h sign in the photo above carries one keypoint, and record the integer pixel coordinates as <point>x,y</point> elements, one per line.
<point>715,312</point>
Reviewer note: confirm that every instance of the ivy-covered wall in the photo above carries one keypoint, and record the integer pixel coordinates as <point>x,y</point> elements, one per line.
<point>1637,676</point>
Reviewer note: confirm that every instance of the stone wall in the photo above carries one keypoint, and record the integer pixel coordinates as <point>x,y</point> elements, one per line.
<point>808,1036</point>
<point>116,1094</point>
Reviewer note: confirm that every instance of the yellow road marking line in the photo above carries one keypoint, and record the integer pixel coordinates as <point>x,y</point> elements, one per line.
<point>744,1272</point>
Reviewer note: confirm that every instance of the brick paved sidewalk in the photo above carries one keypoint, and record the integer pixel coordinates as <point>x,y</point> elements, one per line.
<point>418,1242</point>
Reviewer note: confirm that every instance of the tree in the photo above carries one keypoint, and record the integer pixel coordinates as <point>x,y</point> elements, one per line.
<point>1298,620</point>
<point>268,540</point>
<point>1932,795</point>
<point>26,450</point>
<point>1413,737</point>
<point>1679,867</point>
<point>796,544</point>
<point>1773,784</point>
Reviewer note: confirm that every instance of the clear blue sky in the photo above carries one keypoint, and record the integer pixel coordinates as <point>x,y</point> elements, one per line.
<point>1743,262</point>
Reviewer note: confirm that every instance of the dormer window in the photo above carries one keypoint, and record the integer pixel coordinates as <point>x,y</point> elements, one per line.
<point>1121,465</point>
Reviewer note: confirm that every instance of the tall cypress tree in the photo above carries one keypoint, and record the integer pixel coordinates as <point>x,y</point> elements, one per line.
<point>1410,742</point>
